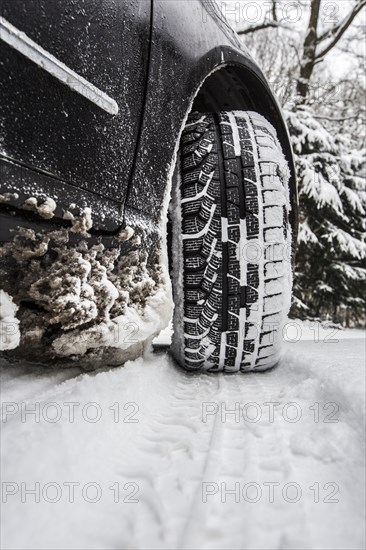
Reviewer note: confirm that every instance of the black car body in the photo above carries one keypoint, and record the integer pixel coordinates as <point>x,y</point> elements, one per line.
<point>94,97</point>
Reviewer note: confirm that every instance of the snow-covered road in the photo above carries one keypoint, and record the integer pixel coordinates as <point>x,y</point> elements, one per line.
<point>148,456</point>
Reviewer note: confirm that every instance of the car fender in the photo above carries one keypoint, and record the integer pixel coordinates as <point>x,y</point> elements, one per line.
<point>189,45</point>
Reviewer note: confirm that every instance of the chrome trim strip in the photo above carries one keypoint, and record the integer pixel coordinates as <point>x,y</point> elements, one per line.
<point>25,45</point>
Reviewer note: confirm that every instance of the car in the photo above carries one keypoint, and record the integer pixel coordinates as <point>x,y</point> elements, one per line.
<point>145,166</point>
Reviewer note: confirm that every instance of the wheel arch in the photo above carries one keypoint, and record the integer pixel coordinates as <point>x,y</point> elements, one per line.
<point>235,86</point>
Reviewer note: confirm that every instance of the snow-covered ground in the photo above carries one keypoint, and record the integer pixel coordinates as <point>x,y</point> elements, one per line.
<point>149,456</point>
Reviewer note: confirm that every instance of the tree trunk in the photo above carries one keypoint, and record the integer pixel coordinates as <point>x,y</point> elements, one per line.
<point>309,53</point>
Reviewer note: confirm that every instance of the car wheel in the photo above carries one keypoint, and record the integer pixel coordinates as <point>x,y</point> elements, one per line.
<point>231,244</point>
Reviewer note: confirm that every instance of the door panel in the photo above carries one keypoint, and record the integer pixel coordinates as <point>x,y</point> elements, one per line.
<point>65,131</point>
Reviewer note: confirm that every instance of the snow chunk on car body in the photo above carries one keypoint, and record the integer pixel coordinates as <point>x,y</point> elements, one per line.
<point>9,324</point>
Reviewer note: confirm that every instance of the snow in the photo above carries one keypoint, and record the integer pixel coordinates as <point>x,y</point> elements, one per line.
<point>6,197</point>
<point>9,324</point>
<point>45,209</point>
<point>354,199</point>
<point>348,244</point>
<point>178,443</point>
<point>82,223</point>
<point>126,234</point>
<point>109,306</point>
<point>177,271</point>
<point>319,189</point>
<point>235,133</point>
<point>306,235</point>
<point>122,332</point>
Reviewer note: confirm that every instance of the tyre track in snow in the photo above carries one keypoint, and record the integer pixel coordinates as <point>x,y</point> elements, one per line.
<point>192,525</point>
<point>163,454</point>
<point>170,452</point>
<point>244,456</point>
<point>198,442</point>
<point>284,452</point>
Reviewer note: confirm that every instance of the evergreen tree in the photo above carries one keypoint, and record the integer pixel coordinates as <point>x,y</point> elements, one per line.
<point>330,277</point>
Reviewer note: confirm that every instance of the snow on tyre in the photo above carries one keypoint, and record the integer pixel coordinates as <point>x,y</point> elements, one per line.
<point>232,272</point>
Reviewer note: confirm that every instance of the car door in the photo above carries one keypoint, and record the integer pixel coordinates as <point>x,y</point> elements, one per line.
<point>73,76</point>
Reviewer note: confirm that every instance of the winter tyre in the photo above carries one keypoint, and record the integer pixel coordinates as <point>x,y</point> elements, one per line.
<point>232,270</point>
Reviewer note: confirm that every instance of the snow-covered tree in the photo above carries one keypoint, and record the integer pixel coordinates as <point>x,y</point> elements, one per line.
<point>330,277</point>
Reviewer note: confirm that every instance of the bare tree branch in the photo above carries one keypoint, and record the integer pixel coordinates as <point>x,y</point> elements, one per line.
<point>292,45</point>
<point>333,30</point>
<point>256,28</point>
<point>338,31</point>
<point>342,119</point>
<point>274,10</point>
